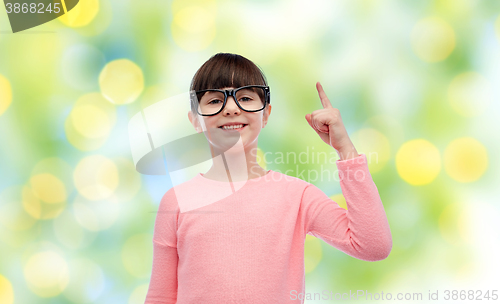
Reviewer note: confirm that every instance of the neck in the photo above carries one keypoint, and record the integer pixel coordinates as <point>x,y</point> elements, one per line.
<point>239,163</point>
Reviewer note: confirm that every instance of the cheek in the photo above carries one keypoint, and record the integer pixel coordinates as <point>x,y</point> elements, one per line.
<point>257,120</point>
<point>210,122</point>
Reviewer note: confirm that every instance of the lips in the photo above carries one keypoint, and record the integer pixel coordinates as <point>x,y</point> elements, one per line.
<point>244,125</point>
<point>232,124</point>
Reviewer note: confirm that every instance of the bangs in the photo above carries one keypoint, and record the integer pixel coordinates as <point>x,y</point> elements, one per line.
<point>227,70</point>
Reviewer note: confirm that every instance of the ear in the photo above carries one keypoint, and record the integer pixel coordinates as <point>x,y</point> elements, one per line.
<point>195,122</point>
<point>265,117</point>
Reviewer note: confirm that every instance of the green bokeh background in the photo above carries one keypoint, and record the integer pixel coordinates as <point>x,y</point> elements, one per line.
<point>389,76</point>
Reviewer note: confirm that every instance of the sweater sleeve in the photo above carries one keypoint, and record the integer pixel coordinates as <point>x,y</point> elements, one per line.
<point>165,230</point>
<point>163,283</point>
<point>362,231</point>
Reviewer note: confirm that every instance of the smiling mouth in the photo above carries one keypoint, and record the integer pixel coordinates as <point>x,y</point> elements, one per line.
<point>231,128</point>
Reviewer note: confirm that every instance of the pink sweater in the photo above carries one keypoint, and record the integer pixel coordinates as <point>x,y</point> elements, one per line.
<point>243,242</point>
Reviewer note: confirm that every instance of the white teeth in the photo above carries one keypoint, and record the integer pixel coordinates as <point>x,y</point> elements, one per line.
<point>232,127</point>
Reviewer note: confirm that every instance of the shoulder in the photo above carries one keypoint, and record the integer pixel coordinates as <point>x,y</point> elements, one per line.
<point>169,200</point>
<point>278,176</point>
<point>288,183</point>
<point>179,193</point>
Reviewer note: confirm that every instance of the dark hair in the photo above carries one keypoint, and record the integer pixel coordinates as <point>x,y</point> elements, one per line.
<point>226,70</point>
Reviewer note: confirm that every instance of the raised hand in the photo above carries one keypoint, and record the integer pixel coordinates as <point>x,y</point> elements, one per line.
<point>327,122</point>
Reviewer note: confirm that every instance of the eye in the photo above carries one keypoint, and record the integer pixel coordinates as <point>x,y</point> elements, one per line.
<point>245,99</point>
<point>214,101</point>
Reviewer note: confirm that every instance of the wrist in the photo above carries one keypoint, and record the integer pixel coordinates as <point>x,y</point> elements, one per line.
<point>347,152</point>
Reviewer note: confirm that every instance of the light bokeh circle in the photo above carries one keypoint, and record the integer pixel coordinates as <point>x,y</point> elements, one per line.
<point>48,188</point>
<point>82,14</point>
<point>418,162</point>
<point>46,273</point>
<point>193,28</point>
<point>91,121</point>
<point>70,233</point>
<point>96,177</point>
<point>433,39</point>
<point>375,145</point>
<point>6,291</point>
<point>5,94</point>
<point>465,159</point>
<point>46,193</point>
<point>470,94</point>
<point>96,215</point>
<point>121,81</point>
<point>39,209</point>
<point>93,116</point>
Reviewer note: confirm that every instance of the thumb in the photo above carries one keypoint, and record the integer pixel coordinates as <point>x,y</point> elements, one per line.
<point>308,118</point>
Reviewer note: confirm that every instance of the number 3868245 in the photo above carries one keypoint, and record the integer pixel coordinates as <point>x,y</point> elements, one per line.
<point>32,8</point>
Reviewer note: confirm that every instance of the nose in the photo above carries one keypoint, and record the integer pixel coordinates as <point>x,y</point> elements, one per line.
<point>231,106</point>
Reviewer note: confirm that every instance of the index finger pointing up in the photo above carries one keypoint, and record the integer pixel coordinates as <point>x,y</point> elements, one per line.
<point>322,96</point>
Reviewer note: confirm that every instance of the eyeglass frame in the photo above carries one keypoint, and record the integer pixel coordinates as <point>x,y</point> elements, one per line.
<point>227,93</point>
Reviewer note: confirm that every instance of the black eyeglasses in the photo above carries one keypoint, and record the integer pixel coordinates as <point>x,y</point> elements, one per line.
<point>251,98</point>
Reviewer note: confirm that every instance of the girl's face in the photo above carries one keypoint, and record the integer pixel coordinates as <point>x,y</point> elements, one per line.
<point>252,123</point>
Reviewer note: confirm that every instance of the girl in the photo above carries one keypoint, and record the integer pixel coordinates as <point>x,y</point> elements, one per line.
<point>236,233</point>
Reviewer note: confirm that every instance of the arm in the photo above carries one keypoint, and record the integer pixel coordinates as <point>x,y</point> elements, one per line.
<point>362,231</point>
<point>163,283</point>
